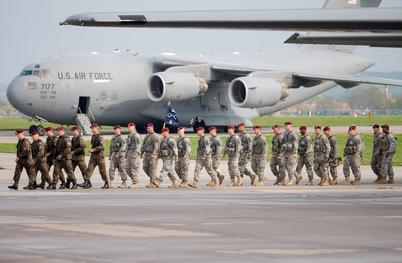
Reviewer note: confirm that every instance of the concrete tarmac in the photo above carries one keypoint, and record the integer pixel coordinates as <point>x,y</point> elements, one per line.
<point>243,224</point>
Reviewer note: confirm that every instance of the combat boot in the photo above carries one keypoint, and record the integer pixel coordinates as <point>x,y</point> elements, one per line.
<point>221,177</point>
<point>123,185</point>
<point>62,185</point>
<point>87,184</point>
<point>347,180</point>
<point>210,182</point>
<point>157,182</point>
<point>68,183</point>
<point>334,181</point>
<point>325,182</point>
<point>309,183</point>
<point>134,185</point>
<point>173,185</point>
<point>183,185</point>
<point>383,180</point>
<point>151,185</point>
<point>282,182</point>
<point>13,187</point>
<point>378,178</point>
<point>355,182</point>
<point>298,179</point>
<point>232,183</point>
<point>111,184</point>
<point>83,184</point>
<point>41,185</point>
<point>391,181</point>
<point>193,184</point>
<point>260,183</point>
<point>29,187</point>
<point>253,177</point>
<point>239,181</point>
<point>277,180</point>
<point>290,183</point>
<point>54,186</point>
<point>215,183</point>
<point>74,186</point>
<point>106,185</point>
<point>321,180</point>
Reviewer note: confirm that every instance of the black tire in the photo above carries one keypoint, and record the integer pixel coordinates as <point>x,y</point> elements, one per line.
<point>41,130</point>
<point>200,123</point>
<point>32,128</point>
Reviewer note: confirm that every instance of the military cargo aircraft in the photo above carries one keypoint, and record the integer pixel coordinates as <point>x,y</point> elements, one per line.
<point>219,90</point>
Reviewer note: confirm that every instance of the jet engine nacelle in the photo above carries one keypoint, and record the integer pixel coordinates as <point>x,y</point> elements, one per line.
<point>175,86</point>
<point>254,92</point>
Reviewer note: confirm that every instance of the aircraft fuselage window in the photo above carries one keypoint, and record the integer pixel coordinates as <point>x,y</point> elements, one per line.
<point>37,73</point>
<point>26,73</point>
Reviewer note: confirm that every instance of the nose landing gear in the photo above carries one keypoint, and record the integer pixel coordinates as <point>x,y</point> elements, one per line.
<point>39,128</point>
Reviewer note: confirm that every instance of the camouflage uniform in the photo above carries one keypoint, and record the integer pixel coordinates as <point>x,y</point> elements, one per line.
<point>245,154</point>
<point>183,161</point>
<point>149,149</point>
<point>39,161</point>
<point>133,153</point>
<point>117,150</point>
<point>168,154</point>
<point>306,158</point>
<point>376,154</point>
<point>322,148</point>
<point>78,158</point>
<point>63,149</point>
<point>204,159</point>
<point>97,157</point>
<point>50,150</point>
<point>276,164</point>
<point>24,156</point>
<point>233,149</point>
<point>333,160</point>
<point>216,149</point>
<point>387,150</point>
<point>352,152</point>
<point>289,153</point>
<point>259,155</point>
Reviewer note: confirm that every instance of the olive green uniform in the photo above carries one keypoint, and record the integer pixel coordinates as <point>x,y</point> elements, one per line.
<point>276,164</point>
<point>387,150</point>
<point>322,148</point>
<point>289,153</point>
<point>204,159</point>
<point>306,157</point>
<point>24,156</point>
<point>39,161</point>
<point>352,152</point>
<point>183,161</point>
<point>133,153</point>
<point>63,160</point>
<point>233,149</point>
<point>259,155</point>
<point>117,151</point>
<point>50,150</point>
<point>97,157</point>
<point>376,157</point>
<point>333,161</point>
<point>149,151</point>
<point>78,154</point>
<point>216,150</point>
<point>168,154</point>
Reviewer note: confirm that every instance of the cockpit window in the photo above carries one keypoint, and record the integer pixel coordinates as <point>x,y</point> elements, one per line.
<point>37,73</point>
<point>26,73</point>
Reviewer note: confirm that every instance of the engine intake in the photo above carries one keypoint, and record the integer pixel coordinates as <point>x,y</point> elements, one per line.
<point>251,92</point>
<point>172,86</point>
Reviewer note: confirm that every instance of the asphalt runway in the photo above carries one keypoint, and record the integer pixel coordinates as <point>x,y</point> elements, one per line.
<point>243,224</point>
<point>9,136</point>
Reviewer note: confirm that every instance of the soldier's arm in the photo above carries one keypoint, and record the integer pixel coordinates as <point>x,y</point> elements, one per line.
<point>123,145</point>
<point>239,147</point>
<point>173,145</point>
<point>137,143</point>
<point>265,144</point>
<point>25,149</point>
<point>67,148</point>
<point>101,146</point>
<point>392,144</point>
<point>41,152</point>
<point>295,144</point>
<point>359,145</point>
<point>327,147</point>
<point>207,144</point>
<point>81,147</point>
<point>218,146</point>
<point>156,143</point>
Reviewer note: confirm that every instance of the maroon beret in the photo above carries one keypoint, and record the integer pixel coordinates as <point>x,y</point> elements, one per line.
<point>34,133</point>
<point>241,124</point>
<point>116,127</point>
<point>61,128</point>
<point>303,128</point>
<point>288,123</point>
<point>150,124</point>
<point>131,124</point>
<point>93,125</point>
<point>165,130</point>
<point>74,128</point>
<point>48,129</point>
<point>385,126</point>
<point>212,128</point>
<point>200,129</point>
<point>180,128</point>
<point>257,127</point>
<point>352,127</point>
<point>230,127</point>
<point>19,131</point>
<point>317,127</point>
<point>327,128</point>
<point>275,126</point>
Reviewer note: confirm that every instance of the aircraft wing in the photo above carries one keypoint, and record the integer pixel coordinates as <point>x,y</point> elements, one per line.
<point>379,20</point>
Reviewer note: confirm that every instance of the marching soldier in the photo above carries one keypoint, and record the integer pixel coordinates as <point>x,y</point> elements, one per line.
<point>376,154</point>
<point>23,161</point>
<point>387,150</point>
<point>78,153</point>
<point>245,154</point>
<point>333,161</point>
<point>183,160</point>
<point>39,160</point>
<point>50,150</point>
<point>306,155</point>
<point>322,149</point>
<point>259,155</point>
<point>97,157</point>
<point>133,153</point>
<point>149,152</point>
<point>117,156</point>
<point>168,154</point>
<point>276,164</point>
<point>233,149</point>
<point>216,150</point>
<point>63,160</point>
<point>289,152</point>
<point>352,153</point>
<point>204,160</point>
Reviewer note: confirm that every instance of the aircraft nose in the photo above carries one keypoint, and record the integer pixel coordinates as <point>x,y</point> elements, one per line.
<point>14,93</point>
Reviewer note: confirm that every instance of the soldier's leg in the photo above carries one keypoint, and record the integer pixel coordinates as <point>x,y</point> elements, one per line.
<point>273,166</point>
<point>185,166</point>
<point>177,169</point>
<point>135,169</point>
<point>17,173</point>
<point>207,163</point>
<point>112,167</point>
<point>316,168</point>
<point>102,169</point>
<point>44,170</point>
<point>333,169</point>
<point>198,169</point>
<point>355,164</point>
<point>56,172</point>
<point>261,169</point>
<point>170,170</point>
<point>68,167</point>
<point>146,165</point>
<point>346,167</point>
<point>165,169</point>
<point>390,170</point>
<point>30,173</point>
<point>91,167</point>
<point>83,168</point>
<point>299,167</point>
<point>215,165</point>
<point>290,166</point>
<point>153,168</point>
<point>374,165</point>
<point>122,169</point>
<point>242,165</point>
<point>309,168</point>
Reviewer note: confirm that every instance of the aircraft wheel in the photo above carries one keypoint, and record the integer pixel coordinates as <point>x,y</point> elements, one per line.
<point>32,128</point>
<point>41,130</point>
